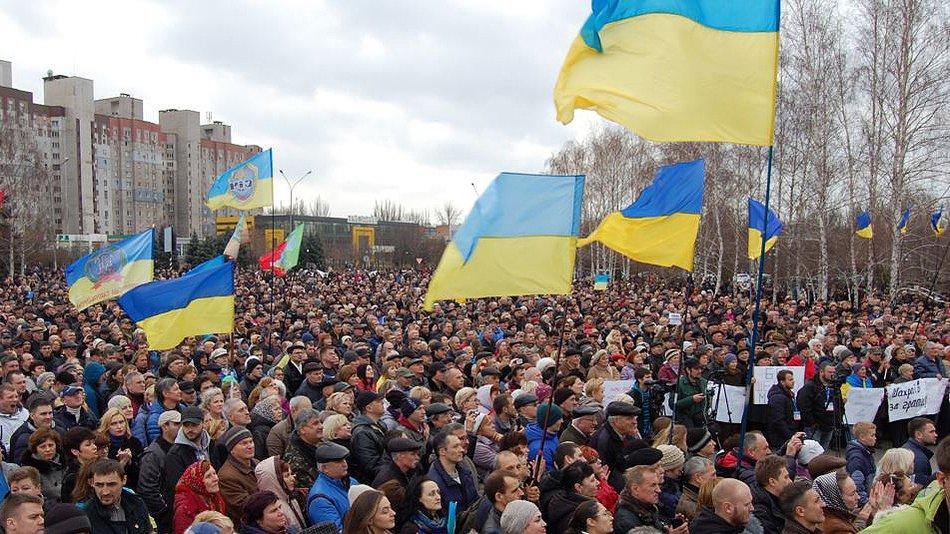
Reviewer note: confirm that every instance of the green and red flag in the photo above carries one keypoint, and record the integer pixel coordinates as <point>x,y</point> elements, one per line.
<point>284,257</point>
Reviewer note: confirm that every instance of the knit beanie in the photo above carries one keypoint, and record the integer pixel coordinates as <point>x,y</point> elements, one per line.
<point>233,436</point>
<point>409,405</point>
<point>672,457</point>
<point>556,415</point>
<point>44,377</point>
<point>518,515</point>
<point>696,439</point>
<point>64,518</point>
<point>810,449</point>
<point>355,491</point>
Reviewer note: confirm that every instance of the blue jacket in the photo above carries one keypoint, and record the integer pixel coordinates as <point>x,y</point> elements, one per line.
<point>923,475</point>
<point>145,425</point>
<point>464,492</point>
<point>329,501</point>
<point>533,433</point>
<point>924,367</point>
<point>861,468</point>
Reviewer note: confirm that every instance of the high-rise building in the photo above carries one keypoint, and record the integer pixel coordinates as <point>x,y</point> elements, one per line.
<point>111,171</point>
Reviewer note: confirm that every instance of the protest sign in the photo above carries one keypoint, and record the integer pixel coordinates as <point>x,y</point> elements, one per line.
<point>729,402</point>
<point>765,378</point>
<point>915,398</point>
<point>612,388</point>
<point>862,404</point>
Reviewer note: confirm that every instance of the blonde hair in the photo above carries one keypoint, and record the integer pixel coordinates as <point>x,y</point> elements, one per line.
<point>255,395</point>
<point>863,428</point>
<point>209,394</point>
<point>333,424</point>
<point>905,367</point>
<point>896,460</point>
<point>106,420</point>
<point>334,400</point>
<point>593,385</point>
<point>215,518</point>
<point>463,395</point>
<point>217,427</point>
<point>419,393</point>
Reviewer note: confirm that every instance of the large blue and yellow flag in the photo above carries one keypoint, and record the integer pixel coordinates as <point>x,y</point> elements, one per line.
<point>677,70</point>
<point>111,270</point>
<point>863,223</point>
<point>519,239</point>
<point>902,224</point>
<point>660,228</point>
<point>938,222</point>
<point>170,310</point>
<point>761,228</point>
<point>245,186</point>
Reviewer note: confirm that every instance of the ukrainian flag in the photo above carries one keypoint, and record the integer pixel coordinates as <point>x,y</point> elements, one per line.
<point>677,70</point>
<point>170,310</point>
<point>111,271</point>
<point>760,227</point>
<point>245,186</point>
<point>660,228</point>
<point>938,222</point>
<point>519,239</point>
<point>863,222</point>
<point>902,224</point>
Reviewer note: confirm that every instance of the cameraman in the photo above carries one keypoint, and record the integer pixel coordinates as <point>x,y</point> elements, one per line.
<point>820,404</point>
<point>648,396</point>
<point>691,395</point>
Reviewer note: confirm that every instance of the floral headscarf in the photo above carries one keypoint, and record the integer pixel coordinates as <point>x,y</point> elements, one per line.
<point>192,480</point>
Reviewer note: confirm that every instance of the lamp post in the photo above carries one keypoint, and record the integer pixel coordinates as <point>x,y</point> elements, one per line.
<point>292,185</point>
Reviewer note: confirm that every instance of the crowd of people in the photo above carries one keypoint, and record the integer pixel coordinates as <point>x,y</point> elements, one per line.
<point>339,405</point>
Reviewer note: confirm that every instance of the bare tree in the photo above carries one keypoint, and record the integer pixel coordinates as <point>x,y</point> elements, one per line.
<point>448,215</point>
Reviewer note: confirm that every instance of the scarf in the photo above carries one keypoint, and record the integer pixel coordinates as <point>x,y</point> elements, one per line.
<point>265,409</point>
<point>428,525</point>
<point>192,480</point>
<point>827,488</point>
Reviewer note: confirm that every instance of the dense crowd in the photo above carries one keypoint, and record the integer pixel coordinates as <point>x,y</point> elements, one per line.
<point>338,405</point>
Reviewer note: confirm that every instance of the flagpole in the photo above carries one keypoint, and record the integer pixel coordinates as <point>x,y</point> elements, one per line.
<point>273,272</point>
<point>755,314</point>
<point>536,476</point>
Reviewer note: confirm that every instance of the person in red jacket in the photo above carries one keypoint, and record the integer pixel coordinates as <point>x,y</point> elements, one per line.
<point>196,492</point>
<point>606,494</point>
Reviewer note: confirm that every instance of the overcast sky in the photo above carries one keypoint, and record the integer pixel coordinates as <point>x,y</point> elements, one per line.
<point>411,100</point>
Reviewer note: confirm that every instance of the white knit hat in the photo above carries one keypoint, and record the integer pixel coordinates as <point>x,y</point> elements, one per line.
<point>517,516</point>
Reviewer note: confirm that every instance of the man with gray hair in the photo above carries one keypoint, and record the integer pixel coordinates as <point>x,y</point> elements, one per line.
<point>279,434</point>
<point>302,446</point>
<point>696,471</point>
<point>236,412</point>
<point>927,365</point>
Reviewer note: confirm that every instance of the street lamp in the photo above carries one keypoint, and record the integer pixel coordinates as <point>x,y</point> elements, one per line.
<point>292,186</point>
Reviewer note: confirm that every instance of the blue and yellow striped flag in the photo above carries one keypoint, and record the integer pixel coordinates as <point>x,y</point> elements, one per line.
<point>245,186</point>
<point>938,222</point>
<point>170,310</point>
<point>519,239</point>
<point>863,222</point>
<point>902,224</point>
<point>660,228</point>
<point>677,70</point>
<point>112,270</point>
<point>762,228</point>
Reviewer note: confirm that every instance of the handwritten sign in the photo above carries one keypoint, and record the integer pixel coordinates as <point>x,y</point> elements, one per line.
<point>612,388</point>
<point>862,404</point>
<point>766,377</point>
<point>915,398</point>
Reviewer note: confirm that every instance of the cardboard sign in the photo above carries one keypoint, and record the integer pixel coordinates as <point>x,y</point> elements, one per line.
<point>766,377</point>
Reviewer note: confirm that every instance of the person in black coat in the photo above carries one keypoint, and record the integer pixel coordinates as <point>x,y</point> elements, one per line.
<point>818,403</point>
<point>293,371</point>
<point>123,446</point>
<point>107,481</point>
<point>781,409</point>
<point>264,416</point>
<point>579,485</point>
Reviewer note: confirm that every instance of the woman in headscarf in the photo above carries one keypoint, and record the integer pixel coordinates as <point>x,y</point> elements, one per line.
<point>485,395</point>
<point>197,491</point>
<point>91,376</point>
<point>266,413</point>
<point>275,475</point>
<point>840,495</point>
<point>600,367</point>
